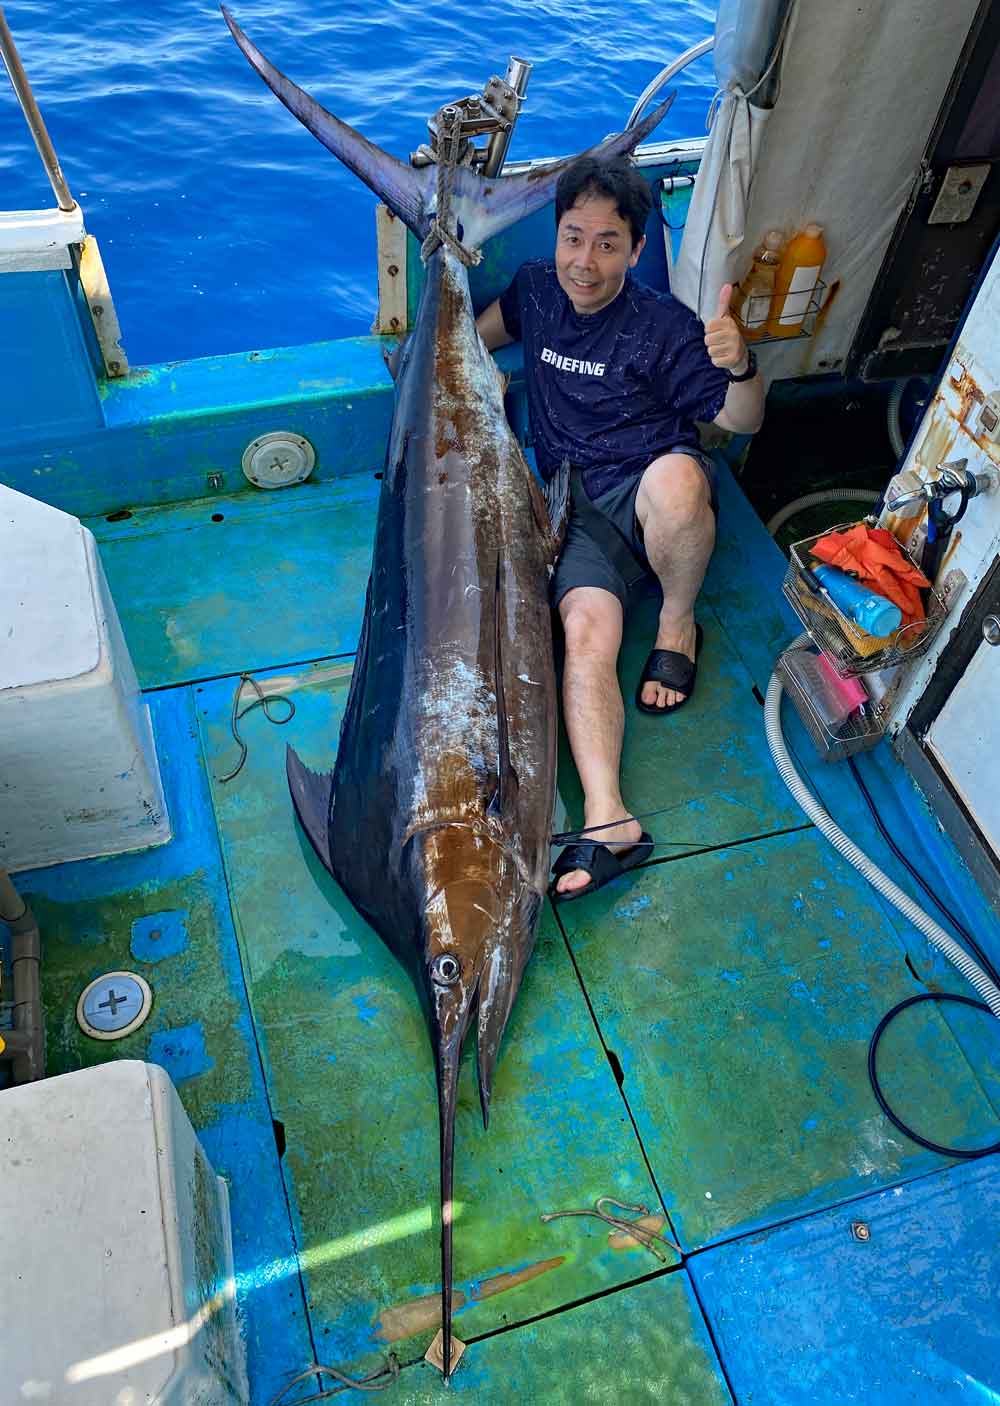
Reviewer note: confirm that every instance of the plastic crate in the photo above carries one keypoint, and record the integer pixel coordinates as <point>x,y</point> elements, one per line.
<point>833,740</point>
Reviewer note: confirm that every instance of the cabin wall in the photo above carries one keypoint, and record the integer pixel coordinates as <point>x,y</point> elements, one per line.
<point>861,88</point>
<point>952,429</point>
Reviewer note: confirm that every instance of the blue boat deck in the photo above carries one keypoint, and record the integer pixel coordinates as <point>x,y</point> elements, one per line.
<point>692,1038</point>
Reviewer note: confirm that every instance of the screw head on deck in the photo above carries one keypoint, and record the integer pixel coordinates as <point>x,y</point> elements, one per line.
<point>861,1230</point>
<point>114,1005</point>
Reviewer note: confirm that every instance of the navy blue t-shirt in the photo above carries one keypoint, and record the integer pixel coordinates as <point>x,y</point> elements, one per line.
<point>609,390</point>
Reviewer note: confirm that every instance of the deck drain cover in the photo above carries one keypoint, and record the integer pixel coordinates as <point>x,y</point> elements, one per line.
<point>278,459</point>
<point>114,1005</point>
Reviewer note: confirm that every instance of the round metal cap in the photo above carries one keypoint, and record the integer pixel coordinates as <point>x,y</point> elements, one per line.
<point>278,459</point>
<point>114,1005</point>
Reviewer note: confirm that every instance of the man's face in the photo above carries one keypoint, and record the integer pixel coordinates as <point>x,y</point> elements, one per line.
<point>594,252</point>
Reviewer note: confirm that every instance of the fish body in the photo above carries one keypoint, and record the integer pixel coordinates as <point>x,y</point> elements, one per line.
<point>437,818</point>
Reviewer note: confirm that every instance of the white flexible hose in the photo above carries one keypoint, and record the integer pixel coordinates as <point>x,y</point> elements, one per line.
<point>813,500</point>
<point>955,953</point>
<point>892,417</point>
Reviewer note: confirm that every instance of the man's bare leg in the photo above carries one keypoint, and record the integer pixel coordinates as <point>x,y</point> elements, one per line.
<point>674,510</point>
<point>595,716</point>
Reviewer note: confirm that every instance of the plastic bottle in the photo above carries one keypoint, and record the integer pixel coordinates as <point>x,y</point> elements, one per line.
<point>753,296</point>
<point>869,611</point>
<point>795,282</point>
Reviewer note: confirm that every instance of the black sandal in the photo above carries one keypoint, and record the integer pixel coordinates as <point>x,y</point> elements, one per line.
<point>670,669</point>
<point>600,863</point>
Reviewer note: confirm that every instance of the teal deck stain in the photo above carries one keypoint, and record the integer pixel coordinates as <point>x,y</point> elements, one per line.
<point>737,989</point>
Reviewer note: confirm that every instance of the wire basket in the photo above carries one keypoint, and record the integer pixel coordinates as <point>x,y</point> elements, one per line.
<point>833,738</point>
<point>849,649</point>
<point>755,328</point>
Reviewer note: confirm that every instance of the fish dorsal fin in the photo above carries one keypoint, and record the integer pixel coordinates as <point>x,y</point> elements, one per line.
<point>505,794</point>
<point>311,793</point>
<point>405,190</point>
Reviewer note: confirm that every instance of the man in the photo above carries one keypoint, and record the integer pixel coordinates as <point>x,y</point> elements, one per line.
<point>617,374</point>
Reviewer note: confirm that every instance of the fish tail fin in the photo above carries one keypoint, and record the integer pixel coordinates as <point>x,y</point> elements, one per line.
<point>486,205</point>
<point>483,205</point>
<point>404,189</point>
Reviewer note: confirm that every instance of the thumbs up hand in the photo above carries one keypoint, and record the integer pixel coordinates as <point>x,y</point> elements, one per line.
<point>723,341</point>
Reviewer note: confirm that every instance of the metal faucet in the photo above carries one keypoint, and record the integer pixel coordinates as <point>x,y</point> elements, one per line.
<point>953,477</point>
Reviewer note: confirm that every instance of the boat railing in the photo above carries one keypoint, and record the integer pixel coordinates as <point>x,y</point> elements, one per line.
<point>665,75</point>
<point>33,117</point>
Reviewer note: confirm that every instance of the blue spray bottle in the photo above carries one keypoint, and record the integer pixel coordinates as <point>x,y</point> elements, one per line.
<point>869,611</point>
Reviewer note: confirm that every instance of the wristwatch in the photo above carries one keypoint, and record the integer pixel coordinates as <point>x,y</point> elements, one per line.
<point>751,370</point>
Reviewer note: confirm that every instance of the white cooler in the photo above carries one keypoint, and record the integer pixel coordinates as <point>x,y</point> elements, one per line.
<point>119,1267</point>
<point>78,769</point>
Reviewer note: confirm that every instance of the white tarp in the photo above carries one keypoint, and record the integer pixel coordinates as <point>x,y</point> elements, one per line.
<point>860,88</point>
<point>711,251</point>
<point>748,36</point>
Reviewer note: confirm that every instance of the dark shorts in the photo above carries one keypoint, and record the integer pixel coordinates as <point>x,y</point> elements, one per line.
<point>585,562</point>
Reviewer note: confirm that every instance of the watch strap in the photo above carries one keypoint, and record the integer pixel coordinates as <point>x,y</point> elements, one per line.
<point>749,373</point>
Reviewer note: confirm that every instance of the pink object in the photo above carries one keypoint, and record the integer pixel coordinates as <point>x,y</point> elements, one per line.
<point>851,692</point>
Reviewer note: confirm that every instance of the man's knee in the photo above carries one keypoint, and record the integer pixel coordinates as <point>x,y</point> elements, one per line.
<point>674,487</point>
<point>592,622</point>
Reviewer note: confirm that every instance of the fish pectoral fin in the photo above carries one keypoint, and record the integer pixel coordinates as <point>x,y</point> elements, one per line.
<point>311,792</point>
<point>550,508</point>
<point>557,497</point>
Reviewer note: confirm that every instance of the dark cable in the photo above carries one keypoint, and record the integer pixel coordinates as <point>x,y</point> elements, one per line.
<point>961,1152</point>
<point>880,1029</point>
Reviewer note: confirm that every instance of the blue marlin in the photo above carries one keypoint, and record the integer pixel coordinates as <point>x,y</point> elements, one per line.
<point>436,820</point>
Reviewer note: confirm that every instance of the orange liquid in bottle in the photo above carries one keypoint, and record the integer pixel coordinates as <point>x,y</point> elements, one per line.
<point>795,282</point>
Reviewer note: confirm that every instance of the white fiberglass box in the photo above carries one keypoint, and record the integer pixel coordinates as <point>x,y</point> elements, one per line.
<point>117,1247</point>
<point>78,769</point>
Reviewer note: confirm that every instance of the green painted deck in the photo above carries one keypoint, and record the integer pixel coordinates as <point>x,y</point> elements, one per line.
<point>692,1038</point>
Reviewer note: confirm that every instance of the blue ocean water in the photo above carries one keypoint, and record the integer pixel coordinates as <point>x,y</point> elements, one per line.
<point>223,224</point>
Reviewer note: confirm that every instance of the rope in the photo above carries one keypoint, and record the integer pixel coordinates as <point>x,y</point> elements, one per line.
<point>449,148</point>
<point>566,837</point>
<point>262,700</point>
<point>370,1383</point>
<point>642,1233</point>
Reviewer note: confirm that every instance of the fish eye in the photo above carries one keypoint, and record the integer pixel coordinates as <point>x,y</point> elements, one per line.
<point>445,969</point>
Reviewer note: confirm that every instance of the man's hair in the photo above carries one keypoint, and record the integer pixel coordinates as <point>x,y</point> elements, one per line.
<point>617,180</point>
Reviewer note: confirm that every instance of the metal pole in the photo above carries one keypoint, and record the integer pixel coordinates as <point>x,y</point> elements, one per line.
<point>518,73</point>
<point>22,90</point>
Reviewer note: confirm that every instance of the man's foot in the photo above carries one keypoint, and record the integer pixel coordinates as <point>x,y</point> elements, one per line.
<point>680,639</point>
<point>617,838</point>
